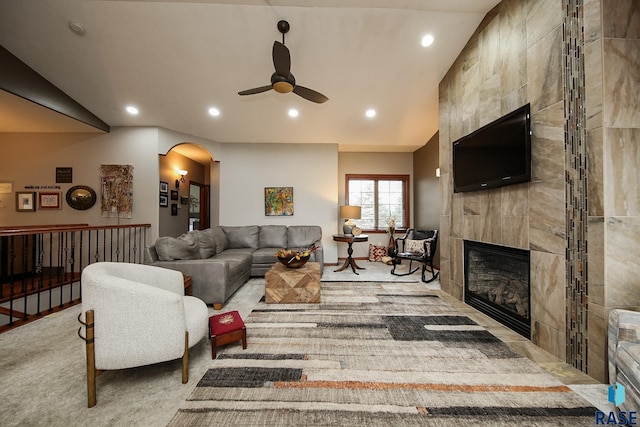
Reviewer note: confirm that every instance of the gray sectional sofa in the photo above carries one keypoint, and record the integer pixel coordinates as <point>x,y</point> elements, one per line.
<point>221,259</point>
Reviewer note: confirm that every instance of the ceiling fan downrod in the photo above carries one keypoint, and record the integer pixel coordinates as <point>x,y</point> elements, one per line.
<point>283,27</point>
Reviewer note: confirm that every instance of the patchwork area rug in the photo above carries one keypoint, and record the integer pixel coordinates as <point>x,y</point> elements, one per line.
<point>376,354</point>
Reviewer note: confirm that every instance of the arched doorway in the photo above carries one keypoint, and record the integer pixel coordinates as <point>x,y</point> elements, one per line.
<point>192,176</point>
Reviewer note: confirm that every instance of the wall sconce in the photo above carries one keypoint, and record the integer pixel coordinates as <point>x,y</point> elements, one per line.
<point>182,173</point>
<point>437,172</point>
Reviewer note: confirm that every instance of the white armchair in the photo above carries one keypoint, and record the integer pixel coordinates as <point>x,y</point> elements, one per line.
<point>137,315</point>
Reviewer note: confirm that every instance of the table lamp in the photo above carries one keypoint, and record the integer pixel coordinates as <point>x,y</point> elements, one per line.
<point>349,213</point>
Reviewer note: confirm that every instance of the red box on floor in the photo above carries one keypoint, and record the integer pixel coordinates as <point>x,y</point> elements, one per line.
<point>226,328</point>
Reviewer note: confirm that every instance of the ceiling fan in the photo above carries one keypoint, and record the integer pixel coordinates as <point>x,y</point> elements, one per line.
<point>282,81</point>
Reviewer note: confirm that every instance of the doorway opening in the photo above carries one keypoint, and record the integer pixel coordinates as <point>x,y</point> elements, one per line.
<point>198,206</point>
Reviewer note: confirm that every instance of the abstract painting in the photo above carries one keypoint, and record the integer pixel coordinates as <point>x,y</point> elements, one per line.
<point>278,201</point>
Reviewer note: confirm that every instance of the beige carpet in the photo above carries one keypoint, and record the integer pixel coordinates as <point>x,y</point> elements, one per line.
<point>43,376</point>
<point>376,354</point>
<point>372,272</point>
<point>43,380</point>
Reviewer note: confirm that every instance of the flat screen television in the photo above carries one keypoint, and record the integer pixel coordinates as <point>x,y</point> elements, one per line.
<point>495,155</point>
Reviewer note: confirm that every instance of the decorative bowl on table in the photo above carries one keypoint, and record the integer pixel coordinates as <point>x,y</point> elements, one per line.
<point>293,259</point>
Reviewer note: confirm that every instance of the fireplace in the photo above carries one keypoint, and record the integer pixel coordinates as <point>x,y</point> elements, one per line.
<point>496,282</point>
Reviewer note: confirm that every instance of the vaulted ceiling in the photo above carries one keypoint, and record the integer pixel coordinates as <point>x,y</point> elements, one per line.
<point>175,59</point>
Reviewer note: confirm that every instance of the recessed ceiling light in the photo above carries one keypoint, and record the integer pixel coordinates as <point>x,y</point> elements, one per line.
<point>132,110</point>
<point>371,113</point>
<point>77,28</point>
<point>293,112</point>
<point>427,40</point>
<point>214,111</point>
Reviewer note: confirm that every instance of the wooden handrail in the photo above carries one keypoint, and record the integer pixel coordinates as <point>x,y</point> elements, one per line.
<point>33,229</point>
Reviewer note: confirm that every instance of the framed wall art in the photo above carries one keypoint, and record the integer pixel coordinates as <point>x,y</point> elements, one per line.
<point>174,195</point>
<point>174,209</point>
<point>278,201</point>
<point>49,200</point>
<point>25,201</point>
<point>164,200</point>
<point>116,191</point>
<point>6,187</point>
<point>64,175</point>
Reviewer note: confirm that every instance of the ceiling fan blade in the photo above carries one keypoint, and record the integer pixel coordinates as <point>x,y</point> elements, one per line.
<point>255,90</point>
<point>281,59</point>
<point>309,94</point>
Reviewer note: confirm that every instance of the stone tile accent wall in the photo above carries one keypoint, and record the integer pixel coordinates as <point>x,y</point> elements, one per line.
<point>576,183</point>
<point>514,57</point>
<point>612,106</point>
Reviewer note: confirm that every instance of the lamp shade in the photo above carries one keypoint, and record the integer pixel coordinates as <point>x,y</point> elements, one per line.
<point>350,212</point>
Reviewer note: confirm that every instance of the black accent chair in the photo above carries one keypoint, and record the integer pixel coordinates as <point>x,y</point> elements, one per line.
<point>424,255</point>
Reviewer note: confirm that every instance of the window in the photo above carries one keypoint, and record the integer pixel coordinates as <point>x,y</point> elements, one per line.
<point>381,197</point>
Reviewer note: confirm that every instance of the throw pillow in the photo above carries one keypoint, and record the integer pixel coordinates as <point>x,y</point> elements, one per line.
<point>242,236</point>
<point>272,236</point>
<point>418,246</point>
<point>376,252</point>
<point>222,243</point>
<point>182,247</point>
<point>206,243</point>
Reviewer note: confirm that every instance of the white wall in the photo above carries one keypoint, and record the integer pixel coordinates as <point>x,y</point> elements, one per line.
<point>30,159</point>
<point>312,171</point>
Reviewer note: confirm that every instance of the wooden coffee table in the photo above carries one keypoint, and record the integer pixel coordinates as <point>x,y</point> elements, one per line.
<point>284,285</point>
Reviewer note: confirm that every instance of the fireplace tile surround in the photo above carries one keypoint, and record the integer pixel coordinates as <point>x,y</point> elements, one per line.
<point>500,70</point>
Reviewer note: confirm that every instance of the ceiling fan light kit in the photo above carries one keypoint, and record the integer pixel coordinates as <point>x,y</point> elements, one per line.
<point>282,81</point>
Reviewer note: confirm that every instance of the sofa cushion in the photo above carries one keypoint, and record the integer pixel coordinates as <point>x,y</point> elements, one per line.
<point>265,256</point>
<point>302,236</point>
<point>182,247</point>
<point>222,243</point>
<point>272,236</point>
<point>206,243</point>
<point>242,236</point>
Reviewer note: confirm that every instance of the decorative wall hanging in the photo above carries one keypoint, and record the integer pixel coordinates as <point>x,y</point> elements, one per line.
<point>81,197</point>
<point>174,209</point>
<point>49,200</point>
<point>116,200</point>
<point>278,201</point>
<point>174,195</point>
<point>25,201</point>
<point>164,186</point>
<point>164,200</point>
